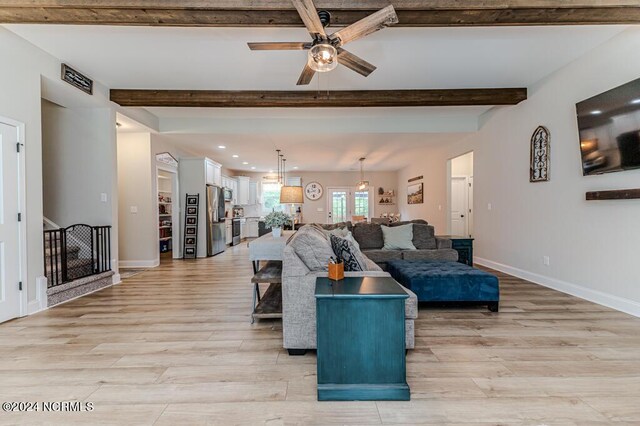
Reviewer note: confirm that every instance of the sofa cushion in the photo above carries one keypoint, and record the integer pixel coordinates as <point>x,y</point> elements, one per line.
<point>423,238</point>
<point>443,254</point>
<point>312,247</point>
<point>406,222</point>
<point>382,256</point>
<point>338,232</point>
<point>368,235</point>
<point>346,252</point>
<point>398,237</point>
<point>331,226</point>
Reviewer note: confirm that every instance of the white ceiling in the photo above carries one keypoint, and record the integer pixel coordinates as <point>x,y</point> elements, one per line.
<point>309,152</point>
<point>218,58</point>
<point>315,139</point>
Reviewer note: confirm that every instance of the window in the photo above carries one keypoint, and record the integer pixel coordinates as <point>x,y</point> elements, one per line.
<point>361,204</point>
<point>271,197</point>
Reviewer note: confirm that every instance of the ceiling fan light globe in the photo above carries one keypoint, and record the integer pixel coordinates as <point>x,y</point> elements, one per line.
<point>322,57</point>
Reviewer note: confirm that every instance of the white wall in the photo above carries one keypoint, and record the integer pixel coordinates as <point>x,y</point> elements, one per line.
<point>592,245</point>
<point>137,186</point>
<point>137,242</point>
<point>77,148</point>
<point>29,75</point>
<point>386,180</point>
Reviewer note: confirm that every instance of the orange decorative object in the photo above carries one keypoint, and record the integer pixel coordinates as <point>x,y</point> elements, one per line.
<point>336,271</point>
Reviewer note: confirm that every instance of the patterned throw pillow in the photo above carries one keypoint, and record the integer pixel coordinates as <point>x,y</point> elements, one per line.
<point>346,252</point>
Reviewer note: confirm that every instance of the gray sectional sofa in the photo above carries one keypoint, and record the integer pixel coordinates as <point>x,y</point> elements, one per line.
<point>299,278</point>
<point>428,246</point>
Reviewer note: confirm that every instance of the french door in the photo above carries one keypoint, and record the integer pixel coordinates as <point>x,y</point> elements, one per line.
<point>343,203</point>
<point>10,261</point>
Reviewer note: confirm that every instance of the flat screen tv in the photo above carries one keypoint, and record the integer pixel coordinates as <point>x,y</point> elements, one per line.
<point>609,126</point>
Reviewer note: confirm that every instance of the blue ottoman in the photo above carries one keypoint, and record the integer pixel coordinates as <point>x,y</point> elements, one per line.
<point>437,281</point>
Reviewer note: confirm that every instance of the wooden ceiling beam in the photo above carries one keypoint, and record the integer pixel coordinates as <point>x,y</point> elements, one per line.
<point>314,99</point>
<point>281,13</point>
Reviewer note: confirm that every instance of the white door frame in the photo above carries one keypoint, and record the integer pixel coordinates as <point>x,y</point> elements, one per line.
<point>175,211</point>
<point>22,205</point>
<point>466,202</point>
<point>330,203</point>
<point>351,190</point>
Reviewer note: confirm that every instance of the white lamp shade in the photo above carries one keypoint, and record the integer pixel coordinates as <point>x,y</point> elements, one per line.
<point>291,195</point>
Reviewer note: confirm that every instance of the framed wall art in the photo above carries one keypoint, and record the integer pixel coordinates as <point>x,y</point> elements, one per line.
<point>415,193</point>
<point>191,227</point>
<point>540,155</point>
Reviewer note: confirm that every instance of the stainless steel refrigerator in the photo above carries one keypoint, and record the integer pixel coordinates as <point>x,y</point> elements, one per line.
<point>216,234</point>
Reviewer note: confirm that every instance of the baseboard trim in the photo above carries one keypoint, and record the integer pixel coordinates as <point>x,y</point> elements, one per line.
<point>138,263</point>
<point>40,302</point>
<point>614,302</point>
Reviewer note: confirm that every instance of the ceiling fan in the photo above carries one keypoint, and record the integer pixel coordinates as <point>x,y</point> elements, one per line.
<point>325,51</point>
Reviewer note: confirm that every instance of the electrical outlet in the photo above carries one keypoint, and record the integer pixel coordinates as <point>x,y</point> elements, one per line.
<point>134,209</point>
<point>546,261</point>
<point>320,209</point>
<point>488,206</point>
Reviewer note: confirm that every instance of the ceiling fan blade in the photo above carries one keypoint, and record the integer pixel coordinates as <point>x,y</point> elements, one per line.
<point>279,45</point>
<point>365,26</point>
<point>309,14</point>
<point>355,63</point>
<point>306,76</point>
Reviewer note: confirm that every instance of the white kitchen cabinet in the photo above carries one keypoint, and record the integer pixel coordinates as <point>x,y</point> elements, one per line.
<point>243,191</point>
<point>252,227</point>
<point>243,229</point>
<point>229,231</point>
<point>213,173</point>
<point>253,193</point>
<point>234,188</point>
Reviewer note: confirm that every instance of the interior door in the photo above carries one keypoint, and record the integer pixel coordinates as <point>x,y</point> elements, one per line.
<point>338,205</point>
<point>9,229</point>
<point>459,206</point>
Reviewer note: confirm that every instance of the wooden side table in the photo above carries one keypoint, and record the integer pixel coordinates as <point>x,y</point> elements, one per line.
<point>270,304</point>
<point>361,339</point>
<point>464,247</point>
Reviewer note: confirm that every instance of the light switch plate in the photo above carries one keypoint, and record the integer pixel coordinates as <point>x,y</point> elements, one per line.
<point>103,197</point>
<point>134,209</point>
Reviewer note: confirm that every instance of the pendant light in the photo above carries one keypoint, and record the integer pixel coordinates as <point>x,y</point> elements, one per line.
<point>363,184</point>
<point>290,194</point>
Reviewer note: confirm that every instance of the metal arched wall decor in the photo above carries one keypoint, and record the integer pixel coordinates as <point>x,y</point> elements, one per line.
<point>540,155</point>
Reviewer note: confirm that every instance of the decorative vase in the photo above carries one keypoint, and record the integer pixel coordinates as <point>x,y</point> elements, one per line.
<point>277,232</point>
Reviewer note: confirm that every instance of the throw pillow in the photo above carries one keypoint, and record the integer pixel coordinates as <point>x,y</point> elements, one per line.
<point>423,237</point>
<point>353,241</point>
<point>346,252</point>
<point>398,237</point>
<point>368,235</point>
<point>313,248</point>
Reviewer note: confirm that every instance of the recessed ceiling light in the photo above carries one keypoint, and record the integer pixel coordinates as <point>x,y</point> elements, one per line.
<point>296,167</point>
<point>635,101</point>
<point>221,146</point>
<point>245,163</point>
<point>270,171</point>
<point>596,112</point>
<point>235,156</point>
<point>253,168</point>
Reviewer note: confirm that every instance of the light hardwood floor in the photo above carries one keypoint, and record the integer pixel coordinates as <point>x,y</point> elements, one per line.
<point>173,346</point>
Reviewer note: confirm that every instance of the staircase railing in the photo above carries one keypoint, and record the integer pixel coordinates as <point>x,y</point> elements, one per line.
<point>76,252</point>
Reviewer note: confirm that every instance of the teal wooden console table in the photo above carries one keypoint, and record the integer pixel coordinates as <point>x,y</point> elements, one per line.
<point>361,339</point>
